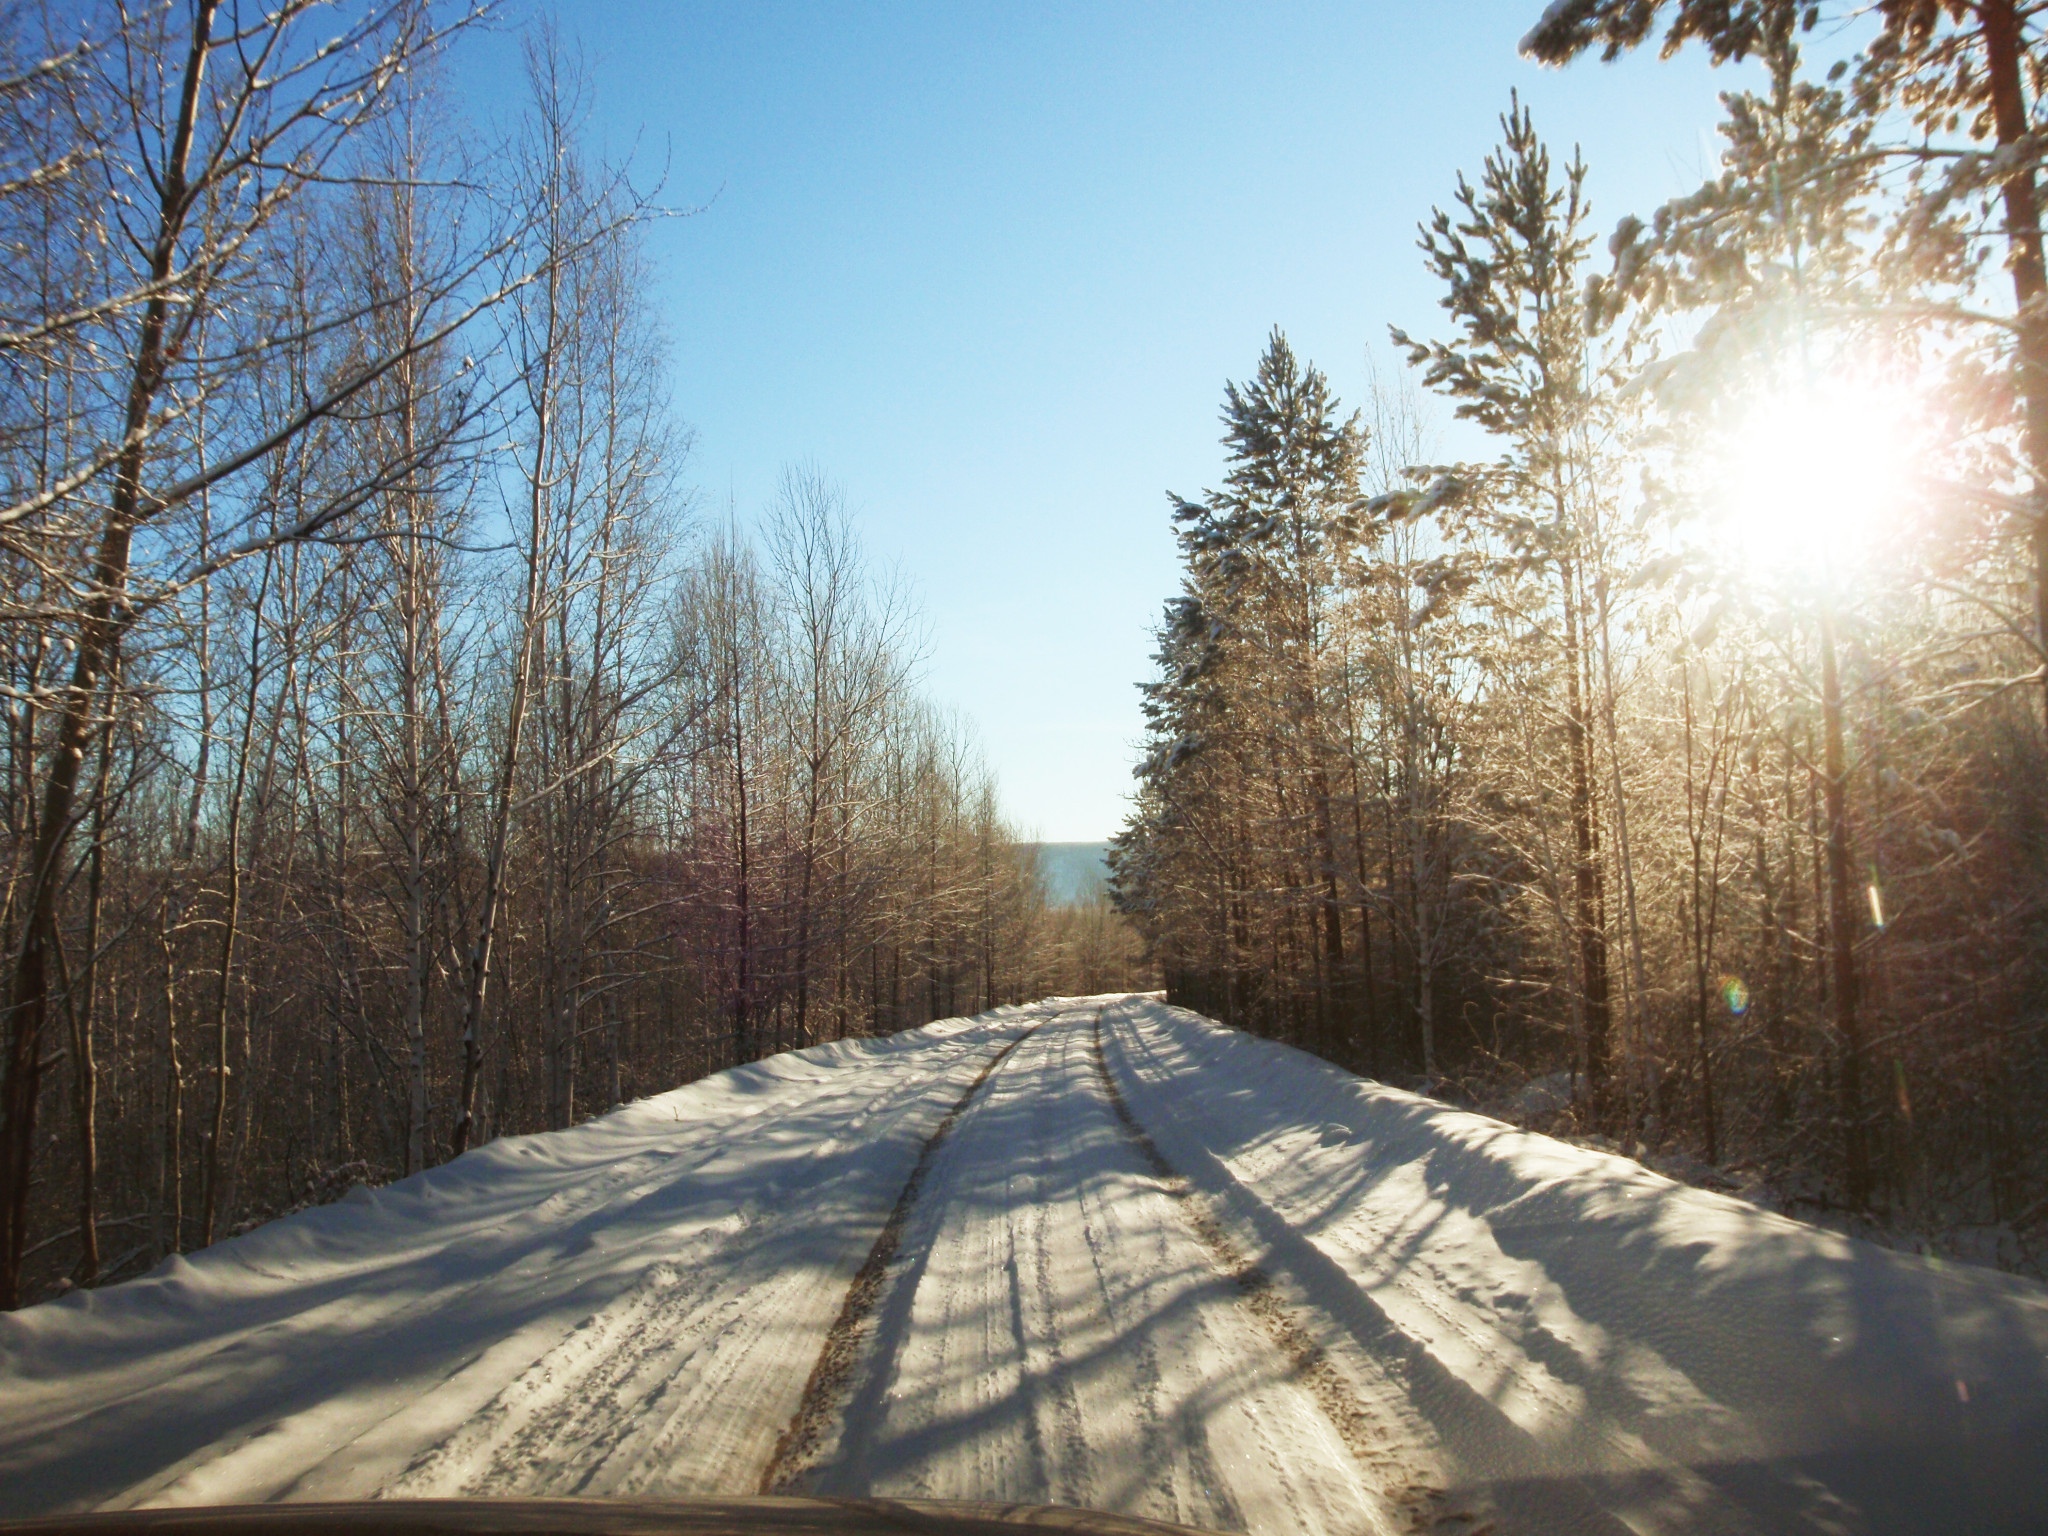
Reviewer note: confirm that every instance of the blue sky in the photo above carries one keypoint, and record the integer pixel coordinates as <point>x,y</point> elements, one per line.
<point>989,266</point>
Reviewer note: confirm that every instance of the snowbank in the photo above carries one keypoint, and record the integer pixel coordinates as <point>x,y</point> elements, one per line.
<point>1581,1328</point>
<point>316,1356</point>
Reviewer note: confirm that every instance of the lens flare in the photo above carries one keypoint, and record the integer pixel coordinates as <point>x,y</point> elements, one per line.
<point>1814,476</point>
<point>1735,994</point>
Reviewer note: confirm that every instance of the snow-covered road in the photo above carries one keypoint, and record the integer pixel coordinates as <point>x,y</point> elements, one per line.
<point>1094,1252</point>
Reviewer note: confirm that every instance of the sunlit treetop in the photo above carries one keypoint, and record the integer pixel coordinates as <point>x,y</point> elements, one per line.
<point>1966,67</point>
<point>1731,33</point>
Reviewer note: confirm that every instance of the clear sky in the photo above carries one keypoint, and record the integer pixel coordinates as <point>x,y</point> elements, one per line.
<point>988,265</point>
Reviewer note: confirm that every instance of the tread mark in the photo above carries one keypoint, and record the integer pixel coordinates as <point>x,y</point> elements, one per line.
<point>1354,1424</point>
<point>826,1390</point>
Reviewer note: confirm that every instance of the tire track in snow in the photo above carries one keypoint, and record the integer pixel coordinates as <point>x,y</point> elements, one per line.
<point>618,1406</point>
<point>827,1390</point>
<point>1364,1433</point>
<point>1163,1420</point>
<point>1471,1383</point>
<point>1057,1374</point>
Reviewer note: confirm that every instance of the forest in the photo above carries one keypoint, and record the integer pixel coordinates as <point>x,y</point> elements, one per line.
<point>1669,763</point>
<point>401,753</point>
<point>398,754</point>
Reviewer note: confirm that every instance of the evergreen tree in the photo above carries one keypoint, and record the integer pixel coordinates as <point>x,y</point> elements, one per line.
<point>1945,99</point>
<point>1240,719</point>
<point>1797,271</point>
<point>1511,260</point>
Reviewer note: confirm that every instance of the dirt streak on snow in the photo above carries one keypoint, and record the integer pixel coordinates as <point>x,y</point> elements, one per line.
<point>499,1323</point>
<point>1593,1345</point>
<point>1152,1265</point>
<point>1367,1409</point>
<point>823,1403</point>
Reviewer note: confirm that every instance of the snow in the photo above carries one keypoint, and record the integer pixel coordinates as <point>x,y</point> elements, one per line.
<point>1552,14</point>
<point>1152,1265</point>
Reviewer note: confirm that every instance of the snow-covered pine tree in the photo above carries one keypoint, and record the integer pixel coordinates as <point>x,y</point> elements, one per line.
<point>1241,751</point>
<point>1512,259</point>
<point>1945,97</point>
<point>1778,260</point>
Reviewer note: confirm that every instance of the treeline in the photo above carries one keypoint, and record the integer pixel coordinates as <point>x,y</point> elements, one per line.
<point>1690,740</point>
<point>391,761</point>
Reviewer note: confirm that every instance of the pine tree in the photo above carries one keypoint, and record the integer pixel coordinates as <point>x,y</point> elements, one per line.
<point>1240,722</point>
<point>1957,74</point>
<point>1776,252</point>
<point>1511,260</point>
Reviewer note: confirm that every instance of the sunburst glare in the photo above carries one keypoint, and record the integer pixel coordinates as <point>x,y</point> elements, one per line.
<point>1815,476</point>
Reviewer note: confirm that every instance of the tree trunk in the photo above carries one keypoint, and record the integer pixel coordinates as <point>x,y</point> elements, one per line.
<point>99,628</point>
<point>232,919</point>
<point>84,1066</point>
<point>508,762</point>
<point>1639,992</point>
<point>741,1019</point>
<point>171,1185</point>
<point>1587,903</point>
<point>1842,920</point>
<point>1693,916</point>
<point>1337,1035</point>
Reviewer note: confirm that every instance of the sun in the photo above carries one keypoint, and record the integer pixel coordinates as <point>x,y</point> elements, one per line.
<point>1814,478</point>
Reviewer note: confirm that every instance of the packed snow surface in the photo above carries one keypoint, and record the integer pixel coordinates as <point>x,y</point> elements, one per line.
<point>1096,1252</point>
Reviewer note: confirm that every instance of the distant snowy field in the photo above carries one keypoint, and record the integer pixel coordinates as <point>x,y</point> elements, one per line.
<point>1092,1251</point>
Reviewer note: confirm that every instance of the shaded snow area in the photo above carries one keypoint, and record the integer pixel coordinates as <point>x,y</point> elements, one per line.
<point>1096,1252</point>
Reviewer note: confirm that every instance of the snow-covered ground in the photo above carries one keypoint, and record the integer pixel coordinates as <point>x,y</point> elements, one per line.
<point>1093,1251</point>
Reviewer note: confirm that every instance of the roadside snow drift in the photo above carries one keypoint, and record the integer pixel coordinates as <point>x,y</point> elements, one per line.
<point>1096,1252</point>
